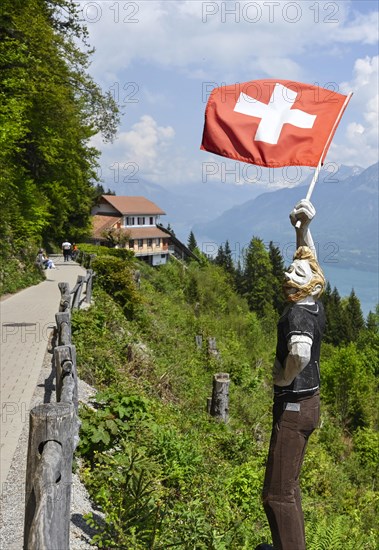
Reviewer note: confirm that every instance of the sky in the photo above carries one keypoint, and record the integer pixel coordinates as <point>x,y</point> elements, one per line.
<point>161,59</point>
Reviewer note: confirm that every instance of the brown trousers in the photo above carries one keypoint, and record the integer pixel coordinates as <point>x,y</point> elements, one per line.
<point>281,492</point>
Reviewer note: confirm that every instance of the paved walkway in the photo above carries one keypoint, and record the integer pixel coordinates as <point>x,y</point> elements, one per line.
<point>27,319</point>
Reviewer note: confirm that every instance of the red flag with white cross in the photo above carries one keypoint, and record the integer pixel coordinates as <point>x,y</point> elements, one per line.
<point>272,122</point>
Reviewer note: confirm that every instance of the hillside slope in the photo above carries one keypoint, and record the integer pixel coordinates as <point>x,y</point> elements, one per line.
<point>162,470</point>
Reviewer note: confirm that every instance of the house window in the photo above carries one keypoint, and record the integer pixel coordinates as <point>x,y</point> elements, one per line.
<point>149,243</point>
<point>151,220</point>
<point>158,242</point>
<point>129,220</point>
<point>141,221</point>
<point>131,244</point>
<point>140,243</point>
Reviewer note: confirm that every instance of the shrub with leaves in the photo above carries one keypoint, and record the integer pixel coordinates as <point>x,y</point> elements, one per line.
<point>117,416</point>
<point>116,278</point>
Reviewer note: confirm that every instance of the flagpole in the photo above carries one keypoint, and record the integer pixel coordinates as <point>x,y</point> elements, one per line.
<point>319,166</point>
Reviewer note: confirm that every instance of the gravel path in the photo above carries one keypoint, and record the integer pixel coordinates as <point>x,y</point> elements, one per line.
<point>12,498</point>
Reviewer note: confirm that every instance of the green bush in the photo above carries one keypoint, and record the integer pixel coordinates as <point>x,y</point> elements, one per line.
<point>116,278</point>
<point>366,446</point>
<point>18,267</point>
<point>116,418</point>
<point>123,253</point>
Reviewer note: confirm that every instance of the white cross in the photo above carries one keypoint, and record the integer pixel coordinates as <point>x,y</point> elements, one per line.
<point>274,115</point>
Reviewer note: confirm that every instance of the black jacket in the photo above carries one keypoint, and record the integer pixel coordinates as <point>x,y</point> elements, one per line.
<point>296,320</point>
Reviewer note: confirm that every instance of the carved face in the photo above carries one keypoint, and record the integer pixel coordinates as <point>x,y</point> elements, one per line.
<point>298,277</point>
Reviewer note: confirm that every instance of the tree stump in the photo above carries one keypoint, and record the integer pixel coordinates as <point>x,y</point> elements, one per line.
<point>49,477</point>
<point>212,348</point>
<point>220,397</point>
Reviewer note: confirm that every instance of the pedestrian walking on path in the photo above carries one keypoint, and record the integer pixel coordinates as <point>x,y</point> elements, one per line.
<point>66,249</point>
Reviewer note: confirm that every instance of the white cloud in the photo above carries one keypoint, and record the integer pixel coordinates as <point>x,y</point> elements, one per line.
<point>198,40</point>
<point>144,149</point>
<point>361,145</point>
<point>186,35</point>
<point>149,151</point>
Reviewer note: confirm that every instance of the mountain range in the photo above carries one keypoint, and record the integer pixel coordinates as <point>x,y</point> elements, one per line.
<point>345,228</point>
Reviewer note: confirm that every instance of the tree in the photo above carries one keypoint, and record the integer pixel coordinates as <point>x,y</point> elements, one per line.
<point>258,278</point>
<point>51,108</point>
<point>335,330</point>
<point>229,265</point>
<point>224,259</point>
<point>354,320</point>
<point>277,265</point>
<point>191,242</point>
<point>372,321</point>
<point>116,236</point>
<point>220,257</point>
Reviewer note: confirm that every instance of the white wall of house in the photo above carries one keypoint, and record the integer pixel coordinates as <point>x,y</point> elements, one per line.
<point>159,259</point>
<point>145,220</point>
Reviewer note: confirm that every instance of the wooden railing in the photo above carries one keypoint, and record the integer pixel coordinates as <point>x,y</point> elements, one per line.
<point>53,437</point>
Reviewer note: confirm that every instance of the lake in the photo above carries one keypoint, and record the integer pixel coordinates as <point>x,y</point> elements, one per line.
<point>365,284</point>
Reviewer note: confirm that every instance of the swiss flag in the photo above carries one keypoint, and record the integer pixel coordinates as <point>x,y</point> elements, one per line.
<point>272,122</point>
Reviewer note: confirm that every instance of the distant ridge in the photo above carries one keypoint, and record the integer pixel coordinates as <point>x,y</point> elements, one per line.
<point>346,225</point>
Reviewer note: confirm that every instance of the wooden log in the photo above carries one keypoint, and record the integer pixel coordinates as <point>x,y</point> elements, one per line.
<point>209,404</point>
<point>220,396</point>
<point>65,303</point>
<point>137,278</point>
<point>89,282</point>
<point>90,260</point>
<point>67,383</point>
<point>66,375</point>
<point>63,321</point>
<point>77,291</point>
<point>49,477</point>
<point>199,341</point>
<point>212,348</point>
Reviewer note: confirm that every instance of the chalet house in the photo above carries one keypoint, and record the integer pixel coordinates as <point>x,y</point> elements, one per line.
<point>139,218</point>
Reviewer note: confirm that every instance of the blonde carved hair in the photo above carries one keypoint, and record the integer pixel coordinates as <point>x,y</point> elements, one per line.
<point>305,253</point>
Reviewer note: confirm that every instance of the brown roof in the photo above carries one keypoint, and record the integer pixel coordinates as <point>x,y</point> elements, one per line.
<point>146,233</point>
<point>133,205</point>
<point>100,223</point>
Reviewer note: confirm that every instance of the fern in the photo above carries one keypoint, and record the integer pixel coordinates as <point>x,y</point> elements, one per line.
<point>331,534</point>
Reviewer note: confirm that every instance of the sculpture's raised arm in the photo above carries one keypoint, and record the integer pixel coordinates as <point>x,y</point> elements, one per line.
<point>304,212</point>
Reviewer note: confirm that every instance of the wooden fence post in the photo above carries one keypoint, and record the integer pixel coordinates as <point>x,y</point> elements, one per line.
<point>219,407</point>
<point>212,348</point>
<point>65,302</point>
<point>63,321</point>
<point>91,257</point>
<point>89,277</point>
<point>66,375</point>
<point>77,291</point>
<point>49,477</point>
